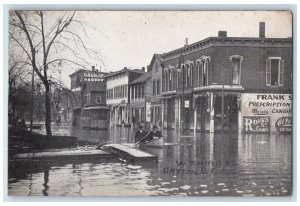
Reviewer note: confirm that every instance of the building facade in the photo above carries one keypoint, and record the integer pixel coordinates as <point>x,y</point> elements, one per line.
<point>230,77</point>
<point>117,98</point>
<point>156,81</point>
<point>140,94</point>
<point>88,101</point>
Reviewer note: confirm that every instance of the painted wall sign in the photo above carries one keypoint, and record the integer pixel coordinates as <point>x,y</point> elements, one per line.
<point>274,106</point>
<point>256,124</point>
<point>284,125</point>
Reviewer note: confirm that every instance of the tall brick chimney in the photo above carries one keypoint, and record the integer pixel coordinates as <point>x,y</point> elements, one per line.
<point>93,68</point>
<point>262,29</point>
<point>222,34</point>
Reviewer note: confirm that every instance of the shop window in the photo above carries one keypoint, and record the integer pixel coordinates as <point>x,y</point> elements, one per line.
<point>274,71</point>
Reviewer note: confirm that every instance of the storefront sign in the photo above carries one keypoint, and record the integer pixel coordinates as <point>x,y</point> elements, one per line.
<point>256,124</point>
<point>186,104</point>
<point>284,125</point>
<point>278,107</point>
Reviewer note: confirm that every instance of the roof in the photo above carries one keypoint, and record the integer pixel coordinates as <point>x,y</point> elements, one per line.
<point>155,56</point>
<point>142,78</point>
<point>123,71</point>
<point>203,44</point>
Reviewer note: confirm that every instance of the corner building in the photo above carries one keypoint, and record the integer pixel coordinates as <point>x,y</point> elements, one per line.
<point>247,81</point>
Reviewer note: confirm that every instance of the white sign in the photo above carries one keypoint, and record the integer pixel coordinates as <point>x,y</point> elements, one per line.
<point>186,104</point>
<point>274,106</point>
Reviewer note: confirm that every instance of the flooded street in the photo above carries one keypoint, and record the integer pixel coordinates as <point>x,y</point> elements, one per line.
<point>208,164</point>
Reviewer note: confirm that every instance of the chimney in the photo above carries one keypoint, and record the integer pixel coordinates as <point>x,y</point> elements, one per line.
<point>186,43</point>
<point>143,69</point>
<point>262,29</point>
<point>222,34</point>
<point>125,68</point>
<point>93,68</point>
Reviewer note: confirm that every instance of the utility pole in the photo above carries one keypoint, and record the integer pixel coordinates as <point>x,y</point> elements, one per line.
<point>32,92</point>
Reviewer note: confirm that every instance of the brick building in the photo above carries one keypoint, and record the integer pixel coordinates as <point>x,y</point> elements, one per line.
<point>88,90</point>
<point>228,77</point>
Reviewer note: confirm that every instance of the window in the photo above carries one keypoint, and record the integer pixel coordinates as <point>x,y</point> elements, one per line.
<point>170,80</point>
<point>143,93</point>
<point>154,87</point>
<point>236,62</point>
<point>236,71</point>
<point>98,99</point>
<point>187,72</point>
<point>202,70</point>
<point>274,71</point>
<point>158,86</point>
<point>204,73</point>
<point>156,66</point>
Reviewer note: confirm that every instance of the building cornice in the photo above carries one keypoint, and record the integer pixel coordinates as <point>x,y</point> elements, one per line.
<point>227,41</point>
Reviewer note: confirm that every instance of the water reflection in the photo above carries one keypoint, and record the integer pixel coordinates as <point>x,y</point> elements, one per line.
<point>208,164</point>
<point>46,180</point>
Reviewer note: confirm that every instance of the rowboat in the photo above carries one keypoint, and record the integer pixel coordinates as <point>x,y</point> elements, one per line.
<point>153,143</point>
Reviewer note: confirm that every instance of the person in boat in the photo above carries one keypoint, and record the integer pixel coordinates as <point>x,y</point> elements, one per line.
<point>140,135</point>
<point>155,134</point>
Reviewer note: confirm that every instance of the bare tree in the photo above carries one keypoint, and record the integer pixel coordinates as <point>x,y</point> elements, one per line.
<point>49,39</point>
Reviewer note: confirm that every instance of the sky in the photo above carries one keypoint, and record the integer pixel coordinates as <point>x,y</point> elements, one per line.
<point>130,38</point>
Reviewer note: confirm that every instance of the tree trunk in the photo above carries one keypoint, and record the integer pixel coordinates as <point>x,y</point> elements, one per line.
<point>48,110</point>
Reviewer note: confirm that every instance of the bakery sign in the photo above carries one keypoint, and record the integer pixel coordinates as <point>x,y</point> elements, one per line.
<point>264,113</point>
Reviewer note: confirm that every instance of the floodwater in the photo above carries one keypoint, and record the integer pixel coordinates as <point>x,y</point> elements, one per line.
<point>205,165</point>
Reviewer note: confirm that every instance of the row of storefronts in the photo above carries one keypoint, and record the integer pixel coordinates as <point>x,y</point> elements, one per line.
<point>217,84</point>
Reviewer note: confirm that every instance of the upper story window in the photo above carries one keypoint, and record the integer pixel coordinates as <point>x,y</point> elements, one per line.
<point>188,71</point>
<point>154,87</point>
<point>202,70</point>
<point>236,64</point>
<point>156,66</point>
<point>158,86</point>
<point>168,80</point>
<point>274,71</point>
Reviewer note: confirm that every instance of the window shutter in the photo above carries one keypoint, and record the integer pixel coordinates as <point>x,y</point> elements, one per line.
<point>281,70</point>
<point>268,72</point>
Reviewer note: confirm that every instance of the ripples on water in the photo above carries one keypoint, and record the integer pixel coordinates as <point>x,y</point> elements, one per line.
<point>228,164</point>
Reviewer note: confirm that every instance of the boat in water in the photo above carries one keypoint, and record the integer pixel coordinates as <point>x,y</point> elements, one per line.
<point>153,143</point>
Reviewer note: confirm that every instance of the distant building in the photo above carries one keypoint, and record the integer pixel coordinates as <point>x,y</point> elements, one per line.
<point>156,81</point>
<point>88,94</point>
<point>117,97</point>
<point>247,80</point>
<point>140,95</point>
<point>89,87</point>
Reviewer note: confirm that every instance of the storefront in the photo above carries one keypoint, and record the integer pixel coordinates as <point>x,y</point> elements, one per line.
<point>266,113</point>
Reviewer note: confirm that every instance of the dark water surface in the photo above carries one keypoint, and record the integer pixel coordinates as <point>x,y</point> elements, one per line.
<point>208,164</point>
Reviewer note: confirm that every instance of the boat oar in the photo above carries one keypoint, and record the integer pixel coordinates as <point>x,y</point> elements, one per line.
<point>142,139</point>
